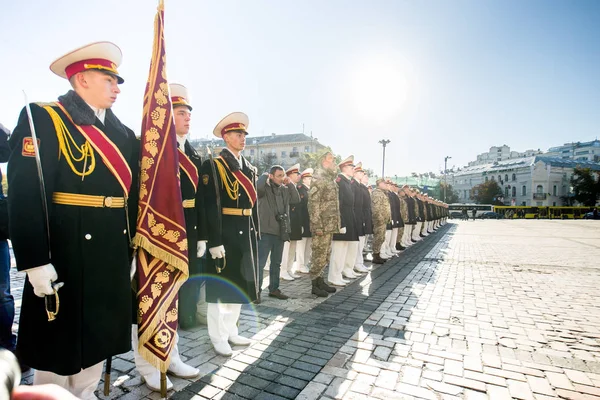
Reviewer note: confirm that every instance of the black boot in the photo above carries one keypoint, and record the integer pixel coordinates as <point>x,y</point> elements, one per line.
<point>400,247</point>
<point>377,259</point>
<point>317,290</point>
<point>325,287</point>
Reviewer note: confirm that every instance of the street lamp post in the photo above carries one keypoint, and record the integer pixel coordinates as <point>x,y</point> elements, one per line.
<point>384,142</point>
<point>445,175</point>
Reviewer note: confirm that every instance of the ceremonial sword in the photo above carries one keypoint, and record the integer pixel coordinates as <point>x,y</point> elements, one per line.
<point>38,161</point>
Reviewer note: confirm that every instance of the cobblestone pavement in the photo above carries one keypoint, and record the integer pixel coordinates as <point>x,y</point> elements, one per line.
<point>480,309</point>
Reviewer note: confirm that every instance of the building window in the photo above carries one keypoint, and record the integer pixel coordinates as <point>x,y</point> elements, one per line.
<point>283,154</point>
<point>514,191</point>
<point>506,177</point>
<point>539,189</point>
<point>486,178</point>
<point>524,191</point>
<point>251,152</point>
<point>506,191</point>
<point>307,149</point>
<point>554,203</point>
<point>524,203</point>
<point>464,194</point>
<point>492,178</point>
<point>294,149</point>
<point>554,190</point>
<point>514,177</point>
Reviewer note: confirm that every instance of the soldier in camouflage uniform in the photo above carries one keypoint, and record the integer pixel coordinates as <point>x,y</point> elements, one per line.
<point>324,213</point>
<point>382,215</point>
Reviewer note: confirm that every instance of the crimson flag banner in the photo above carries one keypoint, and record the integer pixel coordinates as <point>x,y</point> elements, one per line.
<point>162,247</point>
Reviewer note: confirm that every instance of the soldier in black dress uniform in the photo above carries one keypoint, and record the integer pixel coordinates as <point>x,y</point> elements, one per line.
<point>304,246</point>
<point>89,161</point>
<point>193,209</point>
<point>295,213</point>
<point>343,247</point>
<point>359,214</point>
<point>230,201</point>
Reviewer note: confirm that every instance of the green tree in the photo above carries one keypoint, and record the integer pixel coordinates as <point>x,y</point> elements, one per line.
<point>486,193</point>
<point>586,186</point>
<point>451,194</point>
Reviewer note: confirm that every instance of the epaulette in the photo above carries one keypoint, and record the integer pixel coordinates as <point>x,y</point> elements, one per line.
<point>44,104</point>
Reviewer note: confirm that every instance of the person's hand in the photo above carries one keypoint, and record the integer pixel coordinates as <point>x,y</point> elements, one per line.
<point>41,278</point>
<point>319,232</point>
<point>286,180</point>
<point>201,248</point>
<point>343,230</point>
<point>42,392</point>
<point>217,252</point>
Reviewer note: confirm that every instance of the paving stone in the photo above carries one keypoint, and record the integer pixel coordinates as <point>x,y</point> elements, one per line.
<point>441,387</point>
<point>312,391</point>
<point>578,377</point>
<point>559,381</point>
<point>464,382</point>
<point>520,390</point>
<point>540,385</point>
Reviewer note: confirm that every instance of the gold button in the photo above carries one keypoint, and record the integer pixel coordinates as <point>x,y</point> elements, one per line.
<point>108,201</point>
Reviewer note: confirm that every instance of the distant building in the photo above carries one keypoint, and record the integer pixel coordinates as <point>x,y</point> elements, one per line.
<point>501,153</point>
<point>284,150</point>
<point>584,151</point>
<point>528,181</point>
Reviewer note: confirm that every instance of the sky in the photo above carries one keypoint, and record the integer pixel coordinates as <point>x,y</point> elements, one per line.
<point>436,78</point>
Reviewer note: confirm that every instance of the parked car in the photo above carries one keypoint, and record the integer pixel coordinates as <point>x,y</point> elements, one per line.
<point>491,215</point>
<point>456,214</point>
<point>589,215</point>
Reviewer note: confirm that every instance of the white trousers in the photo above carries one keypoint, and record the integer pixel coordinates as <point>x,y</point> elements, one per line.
<point>393,239</point>
<point>406,235</point>
<point>82,385</point>
<point>303,252</point>
<point>417,231</point>
<point>284,258</point>
<point>143,366</point>
<point>288,258</point>
<point>350,258</point>
<point>385,247</point>
<point>222,321</point>
<point>359,252</point>
<point>343,257</point>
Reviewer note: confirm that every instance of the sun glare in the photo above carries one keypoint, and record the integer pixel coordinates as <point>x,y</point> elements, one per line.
<point>379,91</point>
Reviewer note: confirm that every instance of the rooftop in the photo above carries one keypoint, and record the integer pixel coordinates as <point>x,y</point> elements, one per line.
<point>262,140</point>
<point>527,161</point>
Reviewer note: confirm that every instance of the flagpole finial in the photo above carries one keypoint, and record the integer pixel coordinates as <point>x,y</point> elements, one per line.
<point>161,5</point>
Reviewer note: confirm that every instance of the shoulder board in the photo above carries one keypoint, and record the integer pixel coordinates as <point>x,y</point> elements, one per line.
<point>338,179</point>
<point>44,104</point>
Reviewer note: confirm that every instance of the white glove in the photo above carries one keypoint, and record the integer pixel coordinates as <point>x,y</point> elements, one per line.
<point>217,252</point>
<point>302,230</point>
<point>41,279</point>
<point>201,248</point>
<point>343,230</point>
<point>133,268</point>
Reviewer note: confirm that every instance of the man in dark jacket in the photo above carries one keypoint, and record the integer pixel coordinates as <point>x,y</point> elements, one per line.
<point>343,248</point>
<point>275,194</point>
<point>90,164</point>
<point>8,340</point>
